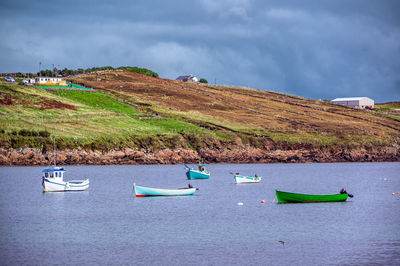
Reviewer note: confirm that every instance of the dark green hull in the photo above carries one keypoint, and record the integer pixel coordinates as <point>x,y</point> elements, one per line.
<point>287,197</point>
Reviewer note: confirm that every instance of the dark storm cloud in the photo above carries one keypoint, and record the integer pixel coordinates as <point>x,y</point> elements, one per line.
<point>314,49</point>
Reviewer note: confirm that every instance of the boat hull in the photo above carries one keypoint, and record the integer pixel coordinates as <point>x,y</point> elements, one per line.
<point>141,191</point>
<point>287,197</point>
<point>195,174</point>
<point>50,185</point>
<point>247,179</point>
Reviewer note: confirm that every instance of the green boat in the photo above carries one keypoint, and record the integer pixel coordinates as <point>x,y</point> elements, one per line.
<point>287,197</point>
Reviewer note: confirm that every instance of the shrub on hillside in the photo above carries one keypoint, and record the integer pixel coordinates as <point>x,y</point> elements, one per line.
<point>139,70</point>
<point>203,80</point>
<point>94,69</point>
<point>27,133</point>
<point>24,132</point>
<point>46,73</point>
<point>44,133</point>
<point>68,72</point>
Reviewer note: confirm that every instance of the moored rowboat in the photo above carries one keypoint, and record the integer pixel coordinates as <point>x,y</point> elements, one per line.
<point>287,197</point>
<point>239,179</point>
<point>201,173</point>
<point>141,191</point>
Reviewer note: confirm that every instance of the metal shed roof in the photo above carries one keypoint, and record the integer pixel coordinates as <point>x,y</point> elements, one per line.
<point>350,99</point>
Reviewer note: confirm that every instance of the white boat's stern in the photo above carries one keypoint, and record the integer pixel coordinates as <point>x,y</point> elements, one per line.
<point>134,188</point>
<point>77,185</point>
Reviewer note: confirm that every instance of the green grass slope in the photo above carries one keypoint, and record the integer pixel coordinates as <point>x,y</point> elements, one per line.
<point>80,119</point>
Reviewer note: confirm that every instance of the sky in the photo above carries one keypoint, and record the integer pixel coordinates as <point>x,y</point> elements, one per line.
<point>321,49</point>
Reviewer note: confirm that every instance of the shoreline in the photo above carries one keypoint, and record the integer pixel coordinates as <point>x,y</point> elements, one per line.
<point>32,157</point>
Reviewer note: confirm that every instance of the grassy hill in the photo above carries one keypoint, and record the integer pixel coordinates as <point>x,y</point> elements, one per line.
<point>132,110</point>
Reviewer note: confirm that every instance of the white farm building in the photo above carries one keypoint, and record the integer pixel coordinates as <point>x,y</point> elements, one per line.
<point>356,102</point>
<point>189,78</point>
<point>50,80</point>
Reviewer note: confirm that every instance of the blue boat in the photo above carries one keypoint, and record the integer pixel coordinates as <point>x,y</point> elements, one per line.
<point>141,191</point>
<point>200,173</point>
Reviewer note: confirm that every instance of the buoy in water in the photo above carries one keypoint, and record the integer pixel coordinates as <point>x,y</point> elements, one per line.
<point>240,203</point>
<point>263,201</point>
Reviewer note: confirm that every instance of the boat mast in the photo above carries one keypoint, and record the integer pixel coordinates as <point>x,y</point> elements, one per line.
<point>55,151</point>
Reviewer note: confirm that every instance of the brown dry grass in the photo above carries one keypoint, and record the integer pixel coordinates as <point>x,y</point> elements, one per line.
<point>47,104</point>
<point>246,110</point>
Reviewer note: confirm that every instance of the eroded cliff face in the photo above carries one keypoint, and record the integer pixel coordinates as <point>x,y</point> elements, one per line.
<point>243,154</point>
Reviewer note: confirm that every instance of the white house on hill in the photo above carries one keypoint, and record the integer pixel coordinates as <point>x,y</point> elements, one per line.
<point>189,78</point>
<point>50,80</point>
<point>356,102</point>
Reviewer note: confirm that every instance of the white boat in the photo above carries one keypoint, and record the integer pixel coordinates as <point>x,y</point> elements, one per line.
<point>142,191</point>
<point>53,181</point>
<point>239,179</point>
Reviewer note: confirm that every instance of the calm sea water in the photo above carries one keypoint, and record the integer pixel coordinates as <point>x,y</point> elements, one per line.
<point>108,225</point>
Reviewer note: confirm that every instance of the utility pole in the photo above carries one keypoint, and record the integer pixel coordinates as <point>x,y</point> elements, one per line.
<point>40,65</point>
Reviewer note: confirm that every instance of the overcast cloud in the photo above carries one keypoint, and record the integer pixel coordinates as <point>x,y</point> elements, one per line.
<point>315,49</point>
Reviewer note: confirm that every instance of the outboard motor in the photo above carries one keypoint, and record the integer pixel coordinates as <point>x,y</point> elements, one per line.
<point>343,191</point>
<point>190,186</point>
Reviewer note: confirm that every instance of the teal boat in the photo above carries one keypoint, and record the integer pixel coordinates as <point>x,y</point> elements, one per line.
<point>141,191</point>
<point>287,197</point>
<point>200,173</point>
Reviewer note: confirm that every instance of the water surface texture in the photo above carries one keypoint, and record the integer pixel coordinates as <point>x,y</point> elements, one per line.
<point>108,225</point>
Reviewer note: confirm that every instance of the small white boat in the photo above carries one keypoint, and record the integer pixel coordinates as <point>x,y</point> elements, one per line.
<point>53,181</point>
<point>239,179</point>
<point>141,191</point>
